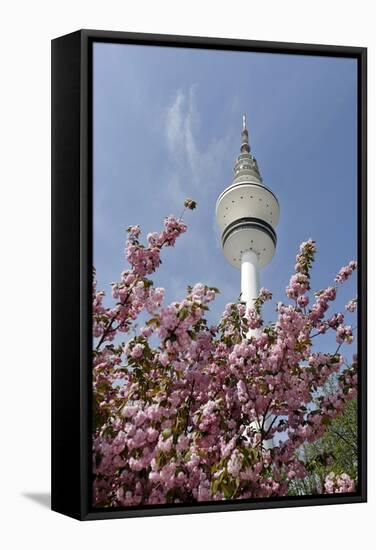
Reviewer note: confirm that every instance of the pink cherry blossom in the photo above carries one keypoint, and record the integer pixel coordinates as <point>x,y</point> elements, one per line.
<point>187,412</point>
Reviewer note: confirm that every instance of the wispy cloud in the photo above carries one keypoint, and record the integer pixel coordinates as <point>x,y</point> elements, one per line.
<point>181,117</point>
<point>200,160</point>
<point>199,165</point>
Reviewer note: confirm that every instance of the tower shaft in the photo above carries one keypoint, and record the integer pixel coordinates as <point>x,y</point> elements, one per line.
<point>250,278</point>
<point>250,282</point>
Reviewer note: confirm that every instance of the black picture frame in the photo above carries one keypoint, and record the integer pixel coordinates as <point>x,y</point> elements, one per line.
<point>72,260</point>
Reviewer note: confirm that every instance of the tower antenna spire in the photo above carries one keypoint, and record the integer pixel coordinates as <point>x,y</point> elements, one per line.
<point>245,140</point>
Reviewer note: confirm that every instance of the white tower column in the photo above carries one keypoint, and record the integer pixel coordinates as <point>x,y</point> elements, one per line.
<point>250,278</point>
<point>247,213</point>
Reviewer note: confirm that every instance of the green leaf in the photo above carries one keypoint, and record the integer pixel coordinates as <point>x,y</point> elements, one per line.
<point>183,313</point>
<point>153,321</point>
<point>216,290</point>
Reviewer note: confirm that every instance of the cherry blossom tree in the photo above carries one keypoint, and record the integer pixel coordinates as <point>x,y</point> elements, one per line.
<point>185,411</point>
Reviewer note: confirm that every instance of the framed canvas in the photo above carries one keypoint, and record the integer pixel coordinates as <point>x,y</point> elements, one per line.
<point>208,274</point>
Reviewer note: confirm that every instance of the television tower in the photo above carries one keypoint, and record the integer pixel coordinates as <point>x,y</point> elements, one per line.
<point>247,213</point>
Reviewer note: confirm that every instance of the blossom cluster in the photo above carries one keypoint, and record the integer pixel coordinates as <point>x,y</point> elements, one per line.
<point>134,292</point>
<point>339,484</point>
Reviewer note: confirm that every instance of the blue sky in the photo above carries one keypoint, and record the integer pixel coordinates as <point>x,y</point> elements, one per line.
<point>167,125</point>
